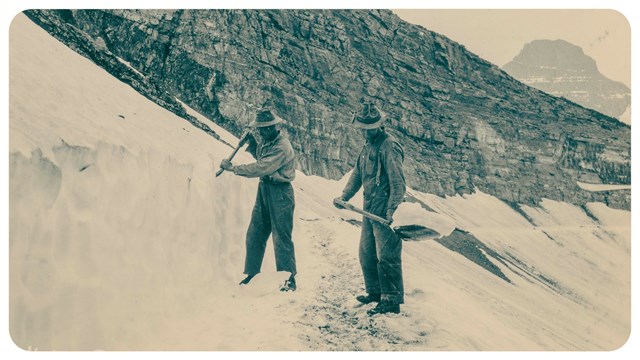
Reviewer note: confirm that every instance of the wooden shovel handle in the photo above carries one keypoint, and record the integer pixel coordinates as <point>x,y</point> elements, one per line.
<point>235,151</point>
<point>367,214</point>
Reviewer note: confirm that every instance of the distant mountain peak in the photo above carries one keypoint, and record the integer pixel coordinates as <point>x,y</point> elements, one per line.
<point>558,54</point>
<point>563,69</point>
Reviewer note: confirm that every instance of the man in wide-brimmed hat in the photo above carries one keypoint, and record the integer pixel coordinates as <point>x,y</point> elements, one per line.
<point>378,170</point>
<point>273,210</point>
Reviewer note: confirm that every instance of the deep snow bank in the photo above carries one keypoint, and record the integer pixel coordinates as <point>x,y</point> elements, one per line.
<point>117,223</point>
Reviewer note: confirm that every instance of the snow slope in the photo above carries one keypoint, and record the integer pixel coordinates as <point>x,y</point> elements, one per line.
<point>122,238</point>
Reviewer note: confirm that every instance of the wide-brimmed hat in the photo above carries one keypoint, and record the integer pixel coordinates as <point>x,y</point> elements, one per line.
<point>265,118</point>
<point>367,118</point>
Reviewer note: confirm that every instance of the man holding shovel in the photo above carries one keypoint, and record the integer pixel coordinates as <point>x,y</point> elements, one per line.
<point>378,170</point>
<point>273,211</point>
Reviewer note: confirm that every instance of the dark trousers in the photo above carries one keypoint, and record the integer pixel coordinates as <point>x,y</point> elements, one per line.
<point>272,215</point>
<point>380,258</point>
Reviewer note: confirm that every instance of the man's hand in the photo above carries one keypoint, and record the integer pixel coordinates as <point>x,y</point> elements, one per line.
<point>389,216</point>
<point>227,165</point>
<point>336,202</point>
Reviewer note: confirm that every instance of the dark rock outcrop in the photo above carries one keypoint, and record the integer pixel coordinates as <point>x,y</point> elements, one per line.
<point>464,123</point>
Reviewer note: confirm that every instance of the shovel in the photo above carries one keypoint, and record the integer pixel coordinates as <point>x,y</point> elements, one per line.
<point>235,151</point>
<point>405,232</point>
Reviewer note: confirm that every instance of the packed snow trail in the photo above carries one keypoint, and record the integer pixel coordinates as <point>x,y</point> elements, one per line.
<point>333,319</point>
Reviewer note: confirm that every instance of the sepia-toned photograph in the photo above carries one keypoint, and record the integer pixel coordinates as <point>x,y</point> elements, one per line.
<point>319,180</point>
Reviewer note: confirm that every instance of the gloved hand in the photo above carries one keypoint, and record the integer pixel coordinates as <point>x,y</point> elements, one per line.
<point>227,165</point>
<point>337,204</point>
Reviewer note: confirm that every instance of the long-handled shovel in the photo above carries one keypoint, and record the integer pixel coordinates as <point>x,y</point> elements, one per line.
<point>405,232</point>
<point>235,151</point>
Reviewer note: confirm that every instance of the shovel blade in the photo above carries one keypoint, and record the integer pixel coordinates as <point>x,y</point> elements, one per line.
<point>415,233</point>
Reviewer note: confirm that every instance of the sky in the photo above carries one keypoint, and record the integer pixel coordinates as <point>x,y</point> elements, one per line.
<point>498,35</point>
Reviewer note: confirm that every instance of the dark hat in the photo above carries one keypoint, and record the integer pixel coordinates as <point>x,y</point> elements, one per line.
<point>265,118</point>
<point>368,117</point>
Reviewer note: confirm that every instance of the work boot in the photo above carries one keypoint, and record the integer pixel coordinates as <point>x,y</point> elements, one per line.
<point>384,307</point>
<point>289,284</point>
<point>369,298</point>
<point>246,280</point>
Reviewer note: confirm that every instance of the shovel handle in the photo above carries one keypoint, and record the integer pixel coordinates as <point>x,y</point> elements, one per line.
<point>367,214</point>
<point>410,232</point>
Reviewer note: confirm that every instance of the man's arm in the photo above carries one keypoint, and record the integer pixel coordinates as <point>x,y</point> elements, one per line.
<point>267,165</point>
<point>392,158</point>
<point>354,183</point>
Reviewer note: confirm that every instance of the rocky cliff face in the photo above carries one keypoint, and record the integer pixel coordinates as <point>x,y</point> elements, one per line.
<point>562,69</point>
<point>463,122</point>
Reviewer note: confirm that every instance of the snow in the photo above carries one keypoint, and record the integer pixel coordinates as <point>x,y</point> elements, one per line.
<point>617,96</point>
<point>122,238</point>
<point>602,187</point>
<point>534,80</point>
<point>555,79</point>
<point>128,64</point>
